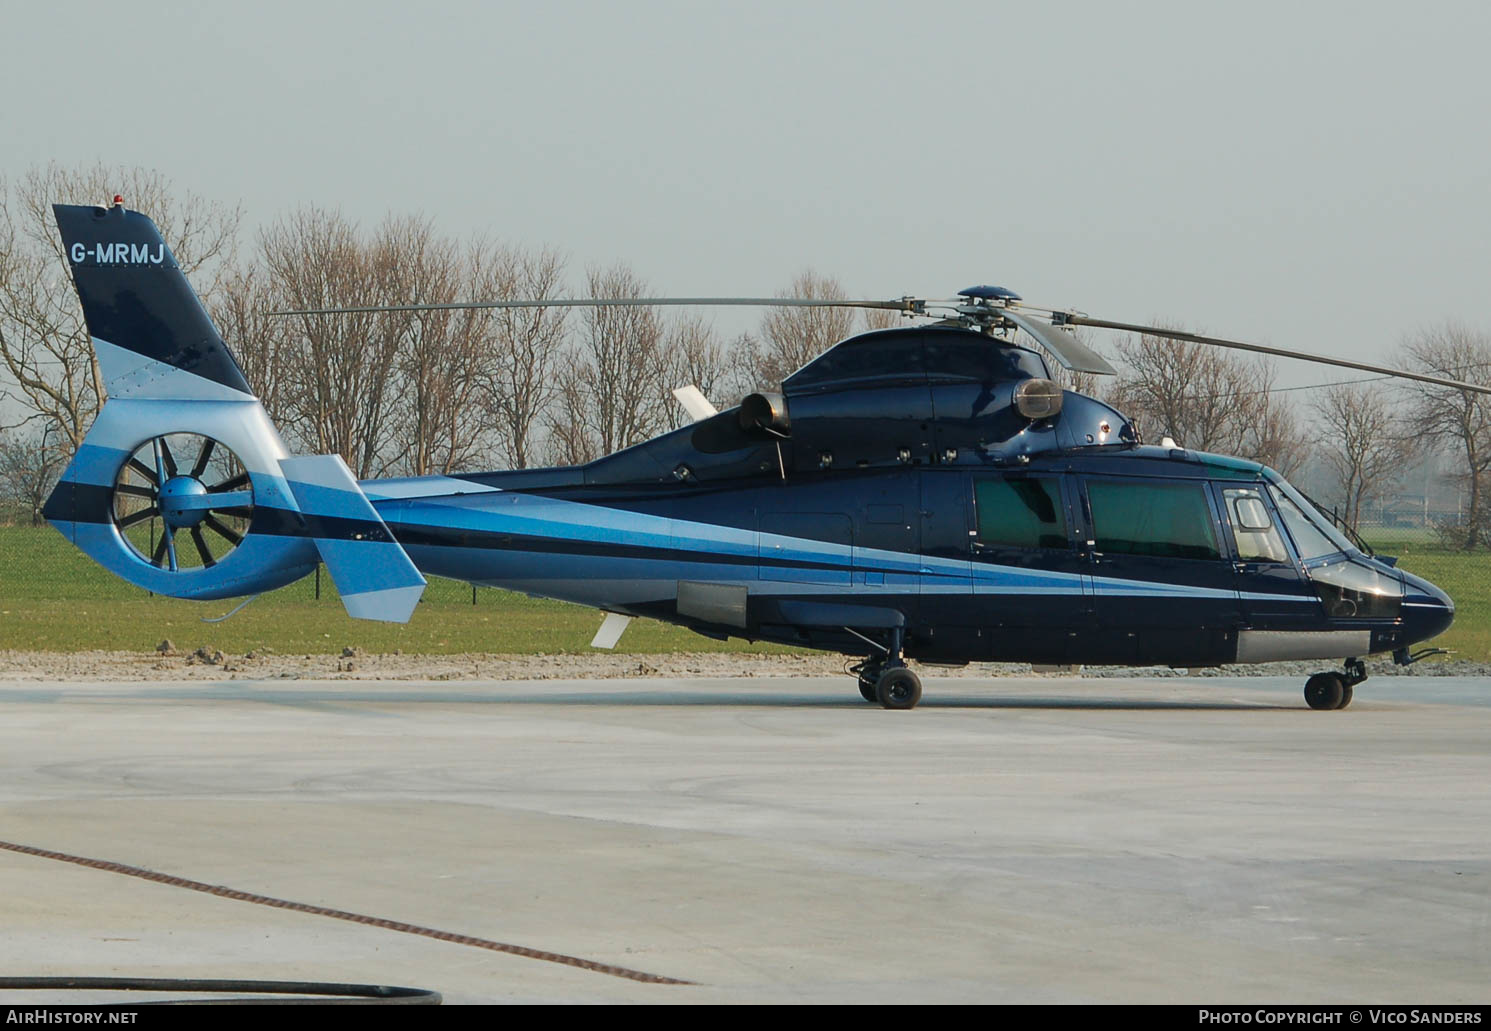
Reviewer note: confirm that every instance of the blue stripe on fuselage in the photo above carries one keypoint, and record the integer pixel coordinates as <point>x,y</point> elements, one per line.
<point>539,538</point>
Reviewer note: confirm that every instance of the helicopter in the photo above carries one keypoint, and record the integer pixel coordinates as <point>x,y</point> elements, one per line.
<point>922,493</point>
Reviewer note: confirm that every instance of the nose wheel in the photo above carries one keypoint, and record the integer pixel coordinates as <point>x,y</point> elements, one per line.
<point>1334,690</point>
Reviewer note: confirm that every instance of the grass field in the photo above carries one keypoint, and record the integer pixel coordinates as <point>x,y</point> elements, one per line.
<point>54,598</point>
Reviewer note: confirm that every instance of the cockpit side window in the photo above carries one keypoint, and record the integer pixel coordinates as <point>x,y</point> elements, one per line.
<point>1253,529</point>
<point>1309,539</point>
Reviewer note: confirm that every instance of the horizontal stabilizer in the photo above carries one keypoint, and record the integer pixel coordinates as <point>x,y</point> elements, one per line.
<point>372,573</point>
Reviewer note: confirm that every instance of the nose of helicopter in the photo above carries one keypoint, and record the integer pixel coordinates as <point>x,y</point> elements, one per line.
<point>1427,611</point>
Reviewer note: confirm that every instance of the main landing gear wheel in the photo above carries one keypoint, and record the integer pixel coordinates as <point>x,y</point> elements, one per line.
<point>868,676</point>
<point>898,688</point>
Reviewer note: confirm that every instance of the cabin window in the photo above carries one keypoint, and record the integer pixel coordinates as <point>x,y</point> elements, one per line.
<point>1167,520</point>
<point>1253,528</point>
<point>1020,512</point>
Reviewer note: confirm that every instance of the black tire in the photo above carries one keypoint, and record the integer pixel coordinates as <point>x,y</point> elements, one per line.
<point>867,690</point>
<point>1325,691</point>
<point>1346,694</point>
<point>898,688</point>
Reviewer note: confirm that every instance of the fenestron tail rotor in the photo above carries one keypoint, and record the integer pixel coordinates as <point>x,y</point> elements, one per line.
<point>183,501</point>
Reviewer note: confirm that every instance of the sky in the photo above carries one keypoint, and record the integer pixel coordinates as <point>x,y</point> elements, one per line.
<point>1310,175</point>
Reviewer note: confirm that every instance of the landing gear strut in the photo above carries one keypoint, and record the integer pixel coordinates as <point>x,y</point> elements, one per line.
<point>885,678</point>
<point>1334,690</point>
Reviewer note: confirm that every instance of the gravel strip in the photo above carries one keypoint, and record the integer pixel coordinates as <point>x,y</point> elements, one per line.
<point>206,664</point>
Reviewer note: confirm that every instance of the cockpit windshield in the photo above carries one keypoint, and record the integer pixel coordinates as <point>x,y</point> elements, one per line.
<point>1313,534</point>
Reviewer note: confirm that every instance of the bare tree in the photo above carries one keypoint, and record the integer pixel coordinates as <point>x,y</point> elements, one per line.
<point>435,414</point>
<point>1458,419</point>
<point>1362,441</point>
<point>792,337</point>
<point>694,354</point>
<point>1207,399</point>
<point>30,464</point>
<point>879,318</point>
<point>611,388</point>
<point>570,441</point>
<point>262,343</point>
<point>344,364</point>
<point>44,344</point>
<point>523,345</point>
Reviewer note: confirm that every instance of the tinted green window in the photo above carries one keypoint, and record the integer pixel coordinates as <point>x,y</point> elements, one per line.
<point>1171,520</point>
<point>1021,513</point>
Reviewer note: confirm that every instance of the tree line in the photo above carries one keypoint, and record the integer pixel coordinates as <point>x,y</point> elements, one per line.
<point>413,393</point>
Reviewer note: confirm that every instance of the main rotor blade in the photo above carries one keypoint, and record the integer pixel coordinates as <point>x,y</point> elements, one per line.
<point>1069,351</point>
<point>1278,352</point>
<point>907,304</point>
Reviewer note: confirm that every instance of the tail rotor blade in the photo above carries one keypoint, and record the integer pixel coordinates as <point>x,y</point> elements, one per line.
<point>241,480</point>
<point>144,470</point>
<point>226,533</point>
<point>158,557</point>
<point>203,457</point>
<point>167,457</point>
<point>207,560</point>
<point>138,517</point>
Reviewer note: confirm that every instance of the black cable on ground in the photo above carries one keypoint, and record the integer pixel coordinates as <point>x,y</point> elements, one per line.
<point>324,993</point>
<point>222,891</point>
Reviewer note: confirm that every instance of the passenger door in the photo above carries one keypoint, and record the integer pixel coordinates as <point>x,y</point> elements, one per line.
<point>943,583</point>
<point>1162,587</point>
<point>1027,572</point>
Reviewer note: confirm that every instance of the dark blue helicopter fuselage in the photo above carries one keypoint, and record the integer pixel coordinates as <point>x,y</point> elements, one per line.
<point>824,558</point>
<point>907,490</point>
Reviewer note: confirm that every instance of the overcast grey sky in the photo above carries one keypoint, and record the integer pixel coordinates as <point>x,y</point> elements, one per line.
<point>1315,175</point>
